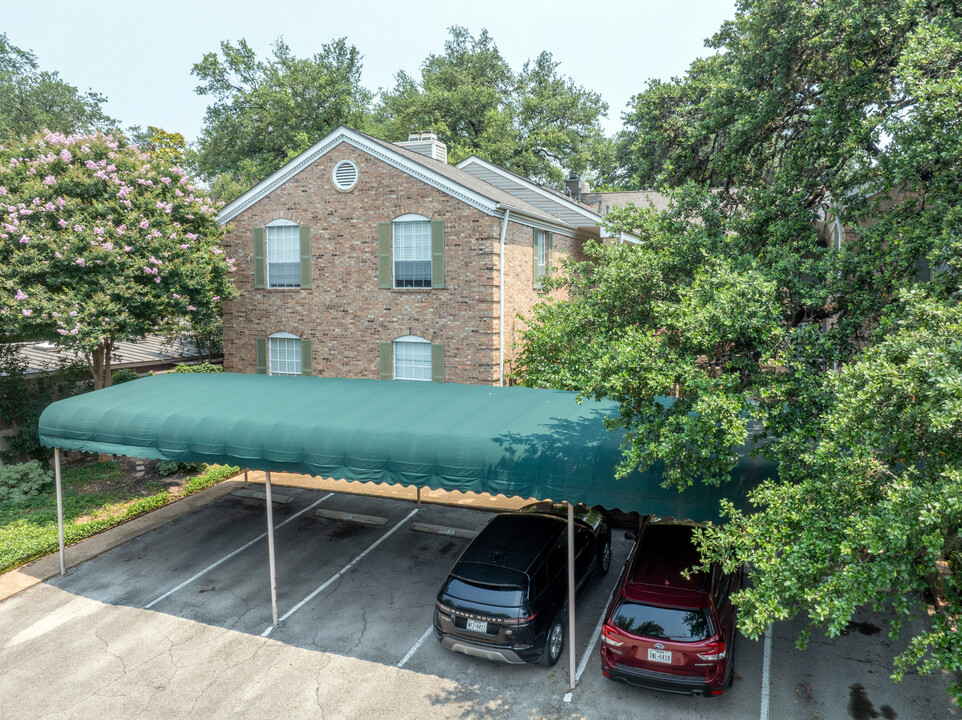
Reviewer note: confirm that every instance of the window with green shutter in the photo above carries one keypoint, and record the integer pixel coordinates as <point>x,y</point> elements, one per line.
<point>411,253</point>
<point>411,358</point>
<point>282,255</point>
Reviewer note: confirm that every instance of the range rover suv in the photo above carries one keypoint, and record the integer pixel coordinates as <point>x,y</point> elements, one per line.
<point>664,631</point>
<point>505,599</point>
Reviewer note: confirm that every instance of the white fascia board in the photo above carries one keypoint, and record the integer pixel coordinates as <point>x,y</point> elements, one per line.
<point>328,143</point>
<point>517,180</point>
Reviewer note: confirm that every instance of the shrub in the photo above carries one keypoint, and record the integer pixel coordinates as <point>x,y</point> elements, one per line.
<point>169,467</point>
<point>121,376</point>
<point>201,368</point>
<point>23,482</point>
<point>212,476</point>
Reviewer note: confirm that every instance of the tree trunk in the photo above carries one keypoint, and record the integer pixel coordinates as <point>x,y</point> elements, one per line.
<point>98,361</point>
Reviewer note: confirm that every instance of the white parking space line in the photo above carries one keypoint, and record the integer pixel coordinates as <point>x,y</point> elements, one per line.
<point>229,556</point>
<point>766,672</point>
<point>594,638</point>
<point>343,570</point>
<point>418,644</point>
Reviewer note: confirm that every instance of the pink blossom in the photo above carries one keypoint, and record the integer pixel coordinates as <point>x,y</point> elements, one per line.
<point>27,312</point>
<point>61,331</point>
<point>50,180</point>
<point>176,296</point>
<point>65,155</point>
<point>108,246</point>
<point>216,298</point>
<point>36,201</point>
<point>144,224</point>
<point>184,246</point>
<point>49,207</point>
<point>62,223</point>
<point>21,295</point>
<point>81,262</point>
<point>127,248</point>
<point>57,254</point>
<point>90,165</point>
<point>165,180</point>
<point>99,231</point>
<point>61,202</point>
<point>156,279</point>
<point>78,228</point>
<point>3,190</point>
<point>191,308</point>
<point>25,240</point>
<point>73,313</point>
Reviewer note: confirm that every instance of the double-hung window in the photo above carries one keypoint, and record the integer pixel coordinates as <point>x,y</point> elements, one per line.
<point>412,252</point>
<point>541,257</point>
<point>411,358</point>
<point>283,255</point>
<point>284,353</point>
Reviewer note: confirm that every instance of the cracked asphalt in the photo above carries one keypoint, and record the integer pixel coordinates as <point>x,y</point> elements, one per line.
<point>84,645</point>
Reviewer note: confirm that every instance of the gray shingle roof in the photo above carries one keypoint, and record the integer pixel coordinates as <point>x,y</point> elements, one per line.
<point>152,350</point>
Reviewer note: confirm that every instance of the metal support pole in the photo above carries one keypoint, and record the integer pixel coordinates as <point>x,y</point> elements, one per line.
<point>56,474</point>
<point>270,543</point>
<point>571,594</point>
<point>419,497</point>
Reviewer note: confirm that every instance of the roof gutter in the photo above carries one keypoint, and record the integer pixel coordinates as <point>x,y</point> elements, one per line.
<point>504,230</point>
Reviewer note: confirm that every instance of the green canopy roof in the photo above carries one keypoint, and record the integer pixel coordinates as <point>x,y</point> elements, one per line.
<point>513,441</point>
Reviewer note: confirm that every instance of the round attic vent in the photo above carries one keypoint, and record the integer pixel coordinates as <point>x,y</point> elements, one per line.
<point>345,175</point>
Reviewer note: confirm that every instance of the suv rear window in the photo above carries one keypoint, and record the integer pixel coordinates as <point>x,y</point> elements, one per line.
<point>496,595</point>
<point>674,624</point>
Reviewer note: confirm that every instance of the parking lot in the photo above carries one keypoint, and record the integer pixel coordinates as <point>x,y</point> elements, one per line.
<point>177,623</point>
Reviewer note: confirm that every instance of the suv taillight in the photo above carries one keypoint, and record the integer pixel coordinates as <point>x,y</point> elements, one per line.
<point>525,618</point>
<point>715,651</point>
<point>608,635</point>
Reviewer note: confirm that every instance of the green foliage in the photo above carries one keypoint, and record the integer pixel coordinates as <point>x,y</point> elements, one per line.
<point>265,112</point>
<point>121,376</point>
<point>22,483</point>
<point>29,531</point>
<point>32,99</point>
<point>104,243</point>
<point>200,368</point>
<point>169,467</point>
<point>535,122</point>
<point>157,142</point>
<point>743,301</point>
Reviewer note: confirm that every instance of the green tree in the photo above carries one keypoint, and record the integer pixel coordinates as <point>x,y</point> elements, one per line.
<point>534,122</point>
<point>100,242</point>
<point>743,299</point>
<point>265,112</point>
<point>32,99</point>
<point>157,142</point>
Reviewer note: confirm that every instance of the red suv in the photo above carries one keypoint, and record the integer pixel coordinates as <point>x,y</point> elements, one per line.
<point>664,631</point>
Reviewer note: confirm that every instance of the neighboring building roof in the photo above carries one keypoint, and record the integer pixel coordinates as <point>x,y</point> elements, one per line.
<point>547,199</point>
<point>153,350</point>
<point>447,178</point>
<point>606,201</point>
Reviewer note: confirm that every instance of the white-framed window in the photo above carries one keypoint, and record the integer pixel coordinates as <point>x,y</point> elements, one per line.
<point>411,251</point>
<point>541,253</point>
<point>283,254</point>
<point>412,358</point>
<point>285,354</point>
<point>345,175</point>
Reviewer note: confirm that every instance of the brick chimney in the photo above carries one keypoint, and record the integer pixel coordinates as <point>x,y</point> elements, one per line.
<point>426,143</point>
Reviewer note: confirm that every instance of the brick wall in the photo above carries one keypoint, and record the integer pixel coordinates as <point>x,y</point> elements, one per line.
<point>346,314</point>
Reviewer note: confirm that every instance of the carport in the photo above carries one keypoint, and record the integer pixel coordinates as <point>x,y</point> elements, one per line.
<point>519,442</point>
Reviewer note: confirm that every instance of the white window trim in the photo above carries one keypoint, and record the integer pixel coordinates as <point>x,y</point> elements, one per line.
<point>282,336</point>
<point>411,339</point>
<point>410,217</point>
<point>282,222</point>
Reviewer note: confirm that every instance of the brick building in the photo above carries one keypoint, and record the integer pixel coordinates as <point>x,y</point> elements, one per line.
<point>366,259</point>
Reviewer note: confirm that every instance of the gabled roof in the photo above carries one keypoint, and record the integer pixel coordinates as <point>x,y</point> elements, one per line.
<point>447,178</point>
<point>151,351</point>
<point>547,199</point>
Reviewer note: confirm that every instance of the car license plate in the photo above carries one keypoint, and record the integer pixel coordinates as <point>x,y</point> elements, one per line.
<point>480,626</point>
<point>662,656</point>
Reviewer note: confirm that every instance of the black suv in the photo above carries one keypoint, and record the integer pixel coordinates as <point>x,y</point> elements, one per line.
<point>506,596</point>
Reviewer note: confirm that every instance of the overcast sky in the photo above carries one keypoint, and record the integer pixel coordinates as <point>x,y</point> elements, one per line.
<point>139,54</point>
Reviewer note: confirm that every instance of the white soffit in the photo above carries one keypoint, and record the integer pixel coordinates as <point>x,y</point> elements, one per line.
<point>328,143</point>
<point>551,202</point>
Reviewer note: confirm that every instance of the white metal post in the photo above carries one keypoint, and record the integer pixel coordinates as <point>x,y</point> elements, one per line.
<point>270,543</point>
<point>56,474</point>
<point>571,594</point>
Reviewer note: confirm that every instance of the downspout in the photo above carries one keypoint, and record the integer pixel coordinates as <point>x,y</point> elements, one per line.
<point>504,230</point>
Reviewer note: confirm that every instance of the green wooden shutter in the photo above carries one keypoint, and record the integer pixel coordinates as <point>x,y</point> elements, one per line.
<point>260,262</point>
<point>385,360</point>
<point>384,255</point>
<point>305,237</point>
<point>307,357</point>
<point>437,363</point>
<point>261,356</point>
<point>549,239</point>
<point>437,253</point>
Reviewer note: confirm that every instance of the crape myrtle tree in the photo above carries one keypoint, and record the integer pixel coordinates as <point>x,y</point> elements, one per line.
<point>101,242</point>
<point>746,301</point>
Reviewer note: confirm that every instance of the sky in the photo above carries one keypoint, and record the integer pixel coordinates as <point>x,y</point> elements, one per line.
<point>139,54</point>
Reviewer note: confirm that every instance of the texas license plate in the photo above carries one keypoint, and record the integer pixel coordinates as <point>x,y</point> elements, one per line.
<point>662,656</point>
<point>480,626</point>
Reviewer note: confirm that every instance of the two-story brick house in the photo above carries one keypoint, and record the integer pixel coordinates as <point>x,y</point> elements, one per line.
<point>367,259</point>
